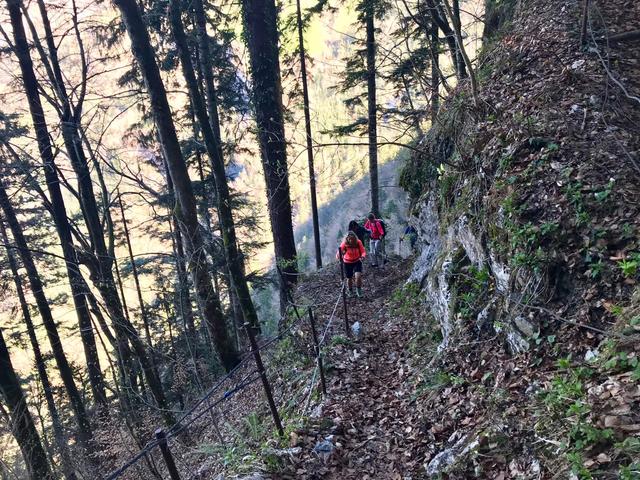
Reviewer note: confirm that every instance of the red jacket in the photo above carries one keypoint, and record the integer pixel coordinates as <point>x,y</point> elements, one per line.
<point>351,254</point>
<point>376,229</point>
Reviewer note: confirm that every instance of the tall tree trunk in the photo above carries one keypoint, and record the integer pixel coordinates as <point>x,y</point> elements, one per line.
<point>214,150</point>
<point>185,200</point>
<point>101,262</point>
<point>134,270</point>
<point>372,126</point>
<point>44,147</point>
<point>307,124</point>
<point>454,16</point>
<point>58,432</point>
<point>437,13</point>
<point>434,46</point>
<point>261,33</point>
<point>58,208</point>
<point>22,425</point>
<point>45,314</point>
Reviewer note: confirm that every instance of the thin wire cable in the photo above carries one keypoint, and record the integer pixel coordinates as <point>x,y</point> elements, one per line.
<point>154,443</point>
<point>247,380</point>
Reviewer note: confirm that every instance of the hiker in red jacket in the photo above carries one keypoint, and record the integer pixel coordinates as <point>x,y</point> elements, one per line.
<point>377,233</point>
<point>352,252</point>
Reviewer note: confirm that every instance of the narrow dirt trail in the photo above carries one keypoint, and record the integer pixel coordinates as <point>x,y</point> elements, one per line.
<point>368,420</point>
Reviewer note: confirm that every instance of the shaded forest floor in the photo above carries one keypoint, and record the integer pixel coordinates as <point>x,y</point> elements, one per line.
<point>367,426</point>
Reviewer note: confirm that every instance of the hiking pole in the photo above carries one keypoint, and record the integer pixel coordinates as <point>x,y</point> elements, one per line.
<point>344,296</point>
<point>316,347</point>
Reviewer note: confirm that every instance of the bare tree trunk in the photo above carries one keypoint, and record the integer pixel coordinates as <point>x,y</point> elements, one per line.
<point>439,16</point>
<point>44,147</point>
<point>62,223</point>
<point>372,124</point>
<point>45,314</point>
<point>134,270</point>
<point>307,125</point>
<point>185,200</point>
<point>100,260</point>
<point>261,33</point>
<point>434,46</point>
<point>457,28</point>
<point>58,432</point>
<point>211,133</point>
<point>22,425</point>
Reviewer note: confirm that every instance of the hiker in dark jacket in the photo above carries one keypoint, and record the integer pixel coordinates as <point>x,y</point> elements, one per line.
<point>358,229</point>
<point>412,234</point>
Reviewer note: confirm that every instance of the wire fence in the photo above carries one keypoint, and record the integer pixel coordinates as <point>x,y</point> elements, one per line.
<point>234,383</point>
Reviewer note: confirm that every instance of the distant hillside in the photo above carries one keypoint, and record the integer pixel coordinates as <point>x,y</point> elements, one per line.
<point>353,203</point>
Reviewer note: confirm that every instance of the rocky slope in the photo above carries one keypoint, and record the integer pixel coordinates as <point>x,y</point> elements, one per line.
<point>528,211</point>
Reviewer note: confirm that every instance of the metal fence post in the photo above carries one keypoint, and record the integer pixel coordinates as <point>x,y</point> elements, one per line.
<point>263,377</point>
<point>344,296</point>
<point>316,347</point>
<point>166,454</point>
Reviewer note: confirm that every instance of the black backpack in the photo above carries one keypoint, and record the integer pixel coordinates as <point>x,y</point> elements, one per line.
<point>384,227</point>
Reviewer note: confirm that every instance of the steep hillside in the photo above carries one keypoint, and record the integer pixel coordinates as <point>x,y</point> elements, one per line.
<point>351,204</point>
<point>528,211</point>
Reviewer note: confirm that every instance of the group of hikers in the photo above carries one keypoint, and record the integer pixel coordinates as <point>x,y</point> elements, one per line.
<point>352,251</point>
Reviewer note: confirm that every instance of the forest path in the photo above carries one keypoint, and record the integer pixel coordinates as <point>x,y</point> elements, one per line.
<point>367,421</point>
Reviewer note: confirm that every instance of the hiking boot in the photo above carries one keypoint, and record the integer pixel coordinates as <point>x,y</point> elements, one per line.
<point>358,292</point>
<point>349,292</point>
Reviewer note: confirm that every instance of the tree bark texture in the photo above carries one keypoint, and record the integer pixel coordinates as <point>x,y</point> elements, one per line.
<point>372,123</point>
<point>261,33</point>
<point>21,423</point>
<point>309,138</point>
<point>185,200</point>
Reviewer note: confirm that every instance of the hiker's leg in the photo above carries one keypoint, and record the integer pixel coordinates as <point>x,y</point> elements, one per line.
<point>374,252</point>
<point>348,271</point>
<point>358,273</point>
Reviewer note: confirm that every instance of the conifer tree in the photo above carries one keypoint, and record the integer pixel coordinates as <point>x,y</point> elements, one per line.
<point>207,297</point>
<point>260,19</point>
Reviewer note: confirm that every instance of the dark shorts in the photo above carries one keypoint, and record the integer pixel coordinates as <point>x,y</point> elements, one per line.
<point>351,268</point>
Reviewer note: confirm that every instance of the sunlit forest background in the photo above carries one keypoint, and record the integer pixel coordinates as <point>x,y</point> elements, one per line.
<point>125,161</point>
